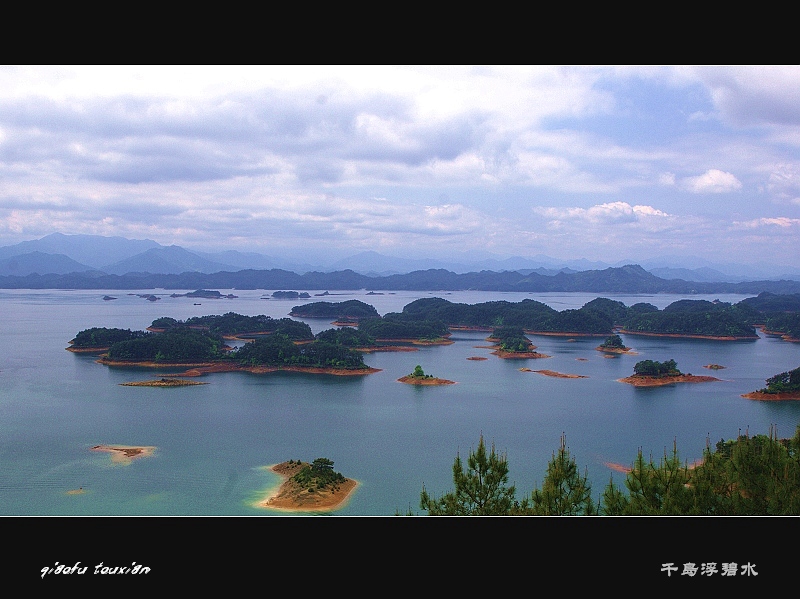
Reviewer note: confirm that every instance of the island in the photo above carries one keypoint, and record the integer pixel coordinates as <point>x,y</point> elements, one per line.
<point>781,387</point>
<point>418,377</point>
<point>614,345</point>
<point>199,344</point>
<point>313,487</point>
<point>124,454</point>
<point>511,343</point>
<point>205,293</point>
<point>649,373</point>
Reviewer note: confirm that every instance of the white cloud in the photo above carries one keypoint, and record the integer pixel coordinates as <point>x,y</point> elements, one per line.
<point>603,214</point>
<point>781,222</point>
<point>712,181</point>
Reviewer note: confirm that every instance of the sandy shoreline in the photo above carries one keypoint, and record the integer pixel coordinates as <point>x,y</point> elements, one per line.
<point>291,497</point>
<point>553,373</point>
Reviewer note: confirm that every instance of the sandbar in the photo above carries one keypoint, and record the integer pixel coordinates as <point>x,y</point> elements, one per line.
<point>426,380</point>
<point>560,375</point>
<point>293,497</point>
<point>123,454</point>
<point>164,382</point>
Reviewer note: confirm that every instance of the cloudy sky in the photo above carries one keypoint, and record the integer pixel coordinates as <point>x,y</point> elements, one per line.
<point>606,163</point>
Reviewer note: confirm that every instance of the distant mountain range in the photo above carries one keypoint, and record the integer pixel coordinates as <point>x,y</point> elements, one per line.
<point>75,261</point>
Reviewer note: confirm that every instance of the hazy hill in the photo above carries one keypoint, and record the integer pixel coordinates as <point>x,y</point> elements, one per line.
<point>166,260</point>
<point>93,250</point>
<point>40,262</point>
<point>118,255</point>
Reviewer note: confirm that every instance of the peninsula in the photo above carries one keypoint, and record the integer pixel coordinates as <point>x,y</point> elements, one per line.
<point>782,386</point>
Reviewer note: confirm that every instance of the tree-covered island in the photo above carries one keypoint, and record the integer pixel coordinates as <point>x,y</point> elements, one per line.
<point>418,377</point>
<point>614,345</point>
<point>511,342</point>
<point>273,344</point>
<point>288,343</point>
<point>310,487</point>
<point>651,373</point>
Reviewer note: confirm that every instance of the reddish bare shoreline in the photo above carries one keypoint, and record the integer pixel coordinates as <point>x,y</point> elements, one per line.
<point>518,355</point>
<point>198,369</point>
<point>659,381</point>
<point>758,395</point>
<point>528,332</point>
<point>616,350</point>
<point>424,381</point>
<point>687,336</point>
<point>87,350</point>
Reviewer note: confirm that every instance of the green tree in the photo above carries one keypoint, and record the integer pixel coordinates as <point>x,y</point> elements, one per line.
<point>480,490</point>
<point>564,491</point>
<point>653,490</point>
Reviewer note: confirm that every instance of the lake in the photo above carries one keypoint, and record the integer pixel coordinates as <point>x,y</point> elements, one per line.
<point>214,441</point>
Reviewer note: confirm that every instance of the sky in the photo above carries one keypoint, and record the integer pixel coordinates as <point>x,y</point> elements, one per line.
<point>597,162</point>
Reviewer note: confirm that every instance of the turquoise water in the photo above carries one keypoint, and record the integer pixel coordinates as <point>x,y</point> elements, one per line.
<point>213,441</point>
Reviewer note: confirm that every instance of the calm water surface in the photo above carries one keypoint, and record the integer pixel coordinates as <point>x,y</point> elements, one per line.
<point>214,441</point>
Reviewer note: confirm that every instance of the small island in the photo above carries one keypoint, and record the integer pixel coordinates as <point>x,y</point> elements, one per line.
<point>418,377</point>
<point>613,345</point>
<point>783,386</point>
<point>124,454</point>
<point>313,487</point>
<point>511,343</point>
<point>649,373</point>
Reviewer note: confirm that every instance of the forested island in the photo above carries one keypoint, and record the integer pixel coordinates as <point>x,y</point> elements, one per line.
<point>651,373</point>
<point>200,342</point>
<point>314,487</point>
<point>286,343</point>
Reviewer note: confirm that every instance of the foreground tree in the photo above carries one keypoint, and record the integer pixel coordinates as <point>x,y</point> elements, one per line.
<point>564,491</point>
<point>480,490</point>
